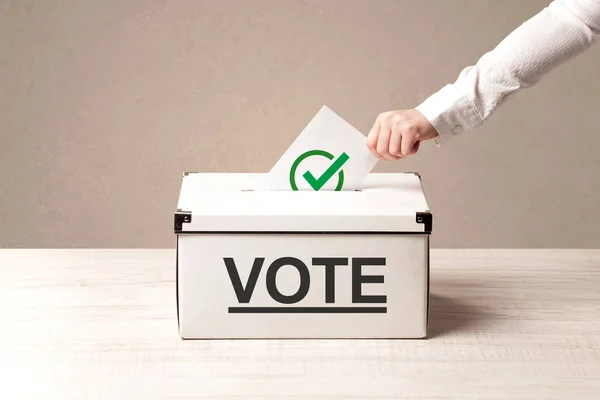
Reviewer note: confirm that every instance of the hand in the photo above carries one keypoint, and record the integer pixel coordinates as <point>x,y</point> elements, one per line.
<point>397,134</point>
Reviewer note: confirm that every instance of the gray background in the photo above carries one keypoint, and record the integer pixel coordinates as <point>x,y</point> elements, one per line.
<point>103,105</point>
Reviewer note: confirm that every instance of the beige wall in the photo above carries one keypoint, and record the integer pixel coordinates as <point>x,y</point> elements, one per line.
<point>103,105</point>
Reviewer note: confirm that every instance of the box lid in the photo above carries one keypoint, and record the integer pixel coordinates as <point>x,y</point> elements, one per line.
<point>235,202</point>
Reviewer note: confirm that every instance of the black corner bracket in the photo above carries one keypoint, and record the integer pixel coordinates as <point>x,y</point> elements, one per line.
<point>182,217</point>
<point>427,219</point>
<point>186,173</point>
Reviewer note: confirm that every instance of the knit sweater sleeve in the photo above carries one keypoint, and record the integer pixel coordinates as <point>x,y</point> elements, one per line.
<point>559,32</point>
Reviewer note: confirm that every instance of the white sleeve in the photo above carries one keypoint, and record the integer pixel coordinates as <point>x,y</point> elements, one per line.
<point>559,32</point>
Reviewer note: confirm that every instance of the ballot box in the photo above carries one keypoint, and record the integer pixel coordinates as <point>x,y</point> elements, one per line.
<point>255,263</point>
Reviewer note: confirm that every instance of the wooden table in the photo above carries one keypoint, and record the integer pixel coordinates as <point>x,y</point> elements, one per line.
<point>77,324</point>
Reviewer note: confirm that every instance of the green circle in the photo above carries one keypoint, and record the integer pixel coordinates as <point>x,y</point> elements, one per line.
<point>311,153</point>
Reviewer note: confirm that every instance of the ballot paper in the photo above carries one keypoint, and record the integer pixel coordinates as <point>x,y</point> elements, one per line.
<point>329,154</point>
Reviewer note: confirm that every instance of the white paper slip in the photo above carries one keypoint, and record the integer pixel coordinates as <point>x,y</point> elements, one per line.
<point>329,154</point>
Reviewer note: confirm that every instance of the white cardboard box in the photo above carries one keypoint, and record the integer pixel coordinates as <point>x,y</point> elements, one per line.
<point>302,264</point>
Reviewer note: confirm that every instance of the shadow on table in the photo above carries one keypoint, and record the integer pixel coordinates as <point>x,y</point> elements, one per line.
<point>447,315</point>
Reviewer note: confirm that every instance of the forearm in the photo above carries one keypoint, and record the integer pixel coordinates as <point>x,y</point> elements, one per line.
<point>559,32</point>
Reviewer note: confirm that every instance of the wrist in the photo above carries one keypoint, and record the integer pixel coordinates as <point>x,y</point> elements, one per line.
<point>449,113</point>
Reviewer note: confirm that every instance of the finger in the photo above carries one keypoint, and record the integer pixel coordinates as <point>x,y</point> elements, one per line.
<point>372,138</point>
<point>416,147</point>
<point>395,143</point>
<point>383,142</point>
<point>409,138</point>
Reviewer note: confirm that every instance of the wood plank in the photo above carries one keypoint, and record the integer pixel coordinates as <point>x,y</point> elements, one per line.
<point>78,324</point>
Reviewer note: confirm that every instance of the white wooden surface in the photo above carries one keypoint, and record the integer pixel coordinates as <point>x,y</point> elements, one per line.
<point>77,324</point>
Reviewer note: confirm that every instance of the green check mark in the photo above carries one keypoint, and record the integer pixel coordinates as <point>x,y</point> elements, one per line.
<point>317,184</point>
